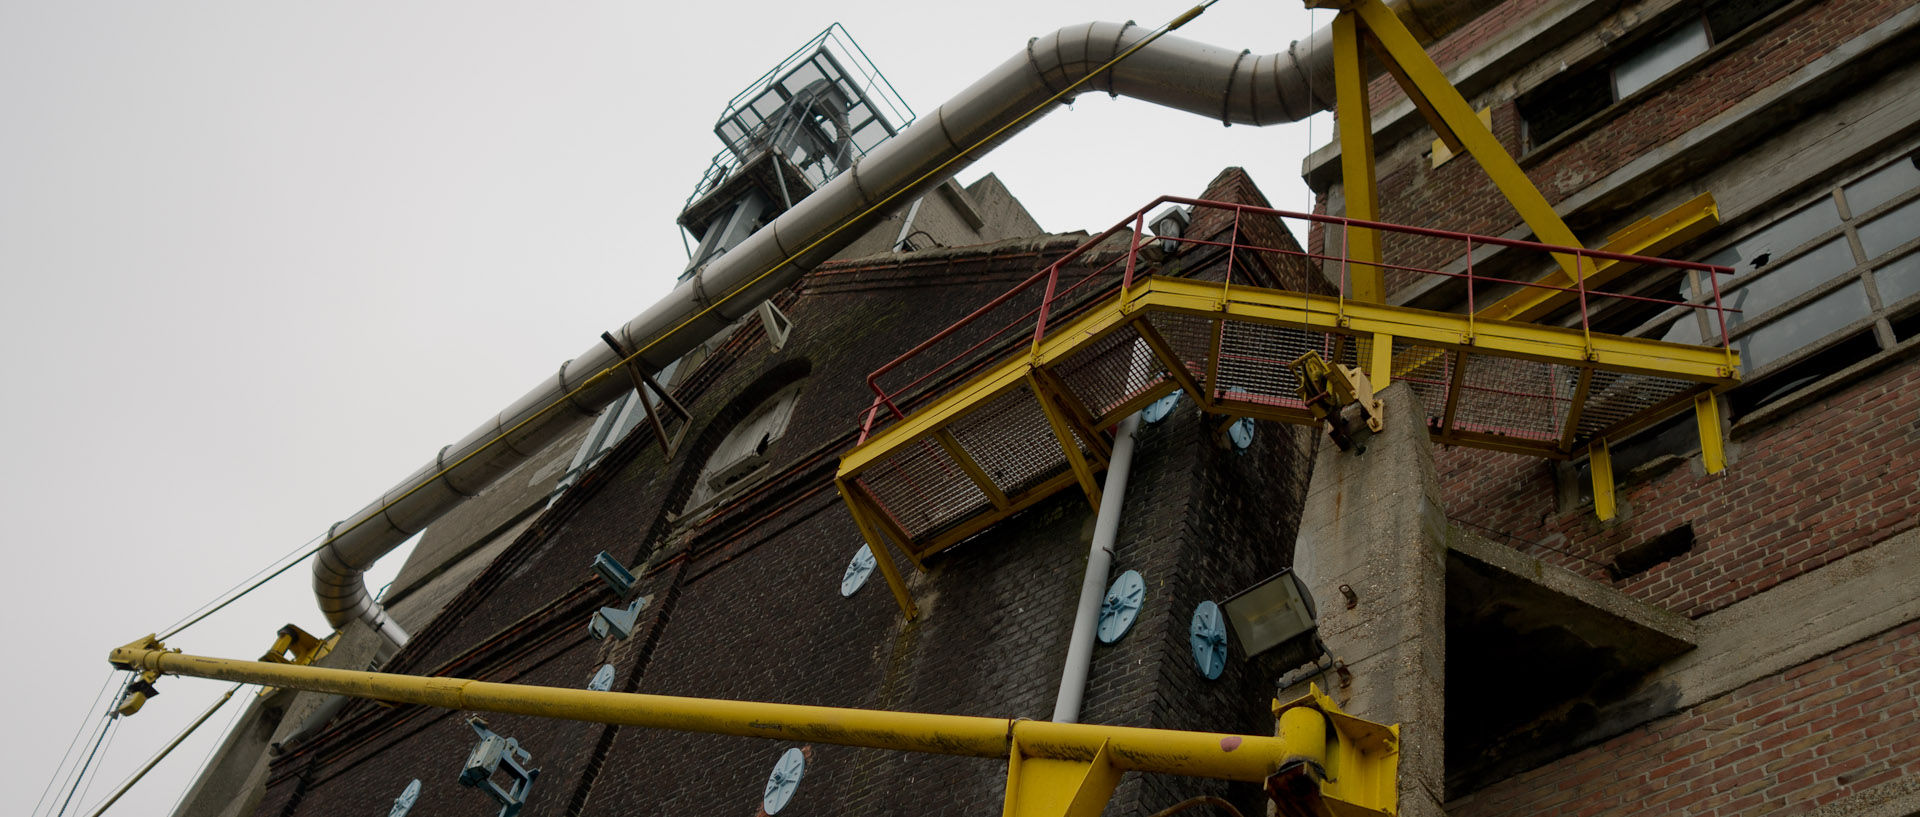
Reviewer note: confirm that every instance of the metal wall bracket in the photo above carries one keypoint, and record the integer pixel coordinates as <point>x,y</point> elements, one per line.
<point>1328,389</point>
<point>493,755</point>
<point>616,575</point>
<point>616,621</point>
<point>643,383</point>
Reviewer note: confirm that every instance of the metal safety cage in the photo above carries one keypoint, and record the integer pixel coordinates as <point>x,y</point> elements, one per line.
<point>821,108</point>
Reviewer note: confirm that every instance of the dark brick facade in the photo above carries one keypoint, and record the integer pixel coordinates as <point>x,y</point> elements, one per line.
<point>745,602</point>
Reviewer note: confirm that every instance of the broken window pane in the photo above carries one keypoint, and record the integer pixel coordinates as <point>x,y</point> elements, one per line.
<point>1779,238</point>
<point>1783,283</point>
<point>1803,326</point>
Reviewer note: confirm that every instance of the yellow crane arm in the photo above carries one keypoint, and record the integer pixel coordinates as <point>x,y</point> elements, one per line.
<point>1054,768</point>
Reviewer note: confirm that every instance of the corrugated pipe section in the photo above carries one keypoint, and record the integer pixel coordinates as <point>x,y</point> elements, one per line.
<point>1233,86</point>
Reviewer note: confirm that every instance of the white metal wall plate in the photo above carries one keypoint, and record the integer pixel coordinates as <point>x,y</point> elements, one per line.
<point>1159,409</point>
<point>1208,633</point>
<point>404,803</point>
<point>857,571</point>
<point>602,680</point>
<point>783,781</point>
<point>1121,606</point>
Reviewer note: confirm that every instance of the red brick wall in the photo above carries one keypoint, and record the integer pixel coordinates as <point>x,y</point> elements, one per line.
<point>1832,727</point>
<point>1823,482</point>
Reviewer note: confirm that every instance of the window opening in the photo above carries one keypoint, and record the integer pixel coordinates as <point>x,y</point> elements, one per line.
<point>1652,553</point>
<point>1641,66</point>
<point>744,450</point>
<point>1559,104</point>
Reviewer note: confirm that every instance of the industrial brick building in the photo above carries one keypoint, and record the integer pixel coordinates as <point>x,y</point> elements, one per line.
<point>1742,642</point>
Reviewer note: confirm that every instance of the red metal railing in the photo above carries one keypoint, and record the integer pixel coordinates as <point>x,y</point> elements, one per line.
<point>1085,291</point>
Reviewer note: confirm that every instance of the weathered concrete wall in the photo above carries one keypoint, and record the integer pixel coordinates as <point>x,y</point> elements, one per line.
<point>1373,523</point>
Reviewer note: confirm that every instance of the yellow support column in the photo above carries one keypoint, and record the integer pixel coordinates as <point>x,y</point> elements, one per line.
<point>1713,452</point>
<point>1601,464</point>
<point>1355,118</point>
<point>1455,121</point>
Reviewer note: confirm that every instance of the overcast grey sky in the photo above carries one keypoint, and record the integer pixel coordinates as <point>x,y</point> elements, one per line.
<point>261,260</point>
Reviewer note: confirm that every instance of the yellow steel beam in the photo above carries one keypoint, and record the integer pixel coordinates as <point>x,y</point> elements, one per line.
<point>1571,428</point>
<point>1379,367</point>
<point>1161,751</point>
<point>1600,463</point>
<point>1078,416</point>
<point>1176,368</point>
<point>1063,432</point>
<point>980,478</point>
<point>1451,116</point>
<point>960,532</point>
<point>1355,121</point>
<point>1649,236</point>
<point>951,406</point>
<point>877,542</point>
<point>1713,452</point>
<point>1420,327</point>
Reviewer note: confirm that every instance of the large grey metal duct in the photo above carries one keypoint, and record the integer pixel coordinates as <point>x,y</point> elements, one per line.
<point>1233,86</point>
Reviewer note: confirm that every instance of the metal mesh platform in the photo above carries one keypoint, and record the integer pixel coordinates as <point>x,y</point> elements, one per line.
<point>1020,421</point>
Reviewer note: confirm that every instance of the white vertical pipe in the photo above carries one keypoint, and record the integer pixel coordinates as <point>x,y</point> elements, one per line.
<point>1093,588</point>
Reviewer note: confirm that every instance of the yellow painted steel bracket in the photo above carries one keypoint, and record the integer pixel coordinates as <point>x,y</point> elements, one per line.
<point>1053,768</point>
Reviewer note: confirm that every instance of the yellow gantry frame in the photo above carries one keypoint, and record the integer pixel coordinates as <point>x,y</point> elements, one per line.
<point>1053,769</point>
<point>1465,337</point>
<point>1461,130</point>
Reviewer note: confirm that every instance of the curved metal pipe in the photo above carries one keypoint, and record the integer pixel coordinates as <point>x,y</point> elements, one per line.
<point>1235,87</point>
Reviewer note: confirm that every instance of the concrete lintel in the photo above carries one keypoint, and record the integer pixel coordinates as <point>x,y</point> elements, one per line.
<point>1639,632</point>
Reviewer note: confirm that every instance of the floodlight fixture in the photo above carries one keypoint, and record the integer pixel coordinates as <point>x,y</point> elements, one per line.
<point>1276,614</point>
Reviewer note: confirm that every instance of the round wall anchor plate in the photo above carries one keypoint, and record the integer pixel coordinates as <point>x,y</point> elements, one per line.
<point>857,571</point>
<point>602,680</point>
<point>1208,632</point>
<point>783,781</point>
<point>404,803</point>
<point>1159,409</point>
<point>1241,433</point>
<point>1121,606</point>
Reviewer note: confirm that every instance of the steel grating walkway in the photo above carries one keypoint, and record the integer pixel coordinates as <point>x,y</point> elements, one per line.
<point>1037,421</point>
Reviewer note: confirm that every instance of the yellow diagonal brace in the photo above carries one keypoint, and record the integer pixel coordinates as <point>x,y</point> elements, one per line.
<point>1063,432</point>
<point>877,542</point>
<point>980,478</point>
<point>1176,368</point>
<point>1362,246</point>
<point>1449,114</point>
<point>1078,416</point>
<point>1649,236</point>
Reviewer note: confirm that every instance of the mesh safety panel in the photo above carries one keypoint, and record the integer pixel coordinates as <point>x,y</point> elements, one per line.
<point>1614,398</point>
<point>1517,398</point>
<point>1111,371</point>
<point>1429,371</point>
<point>1254,358</point>
<point>1191,337</point>
<point>1012,441</point>
<point>924,489</point>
